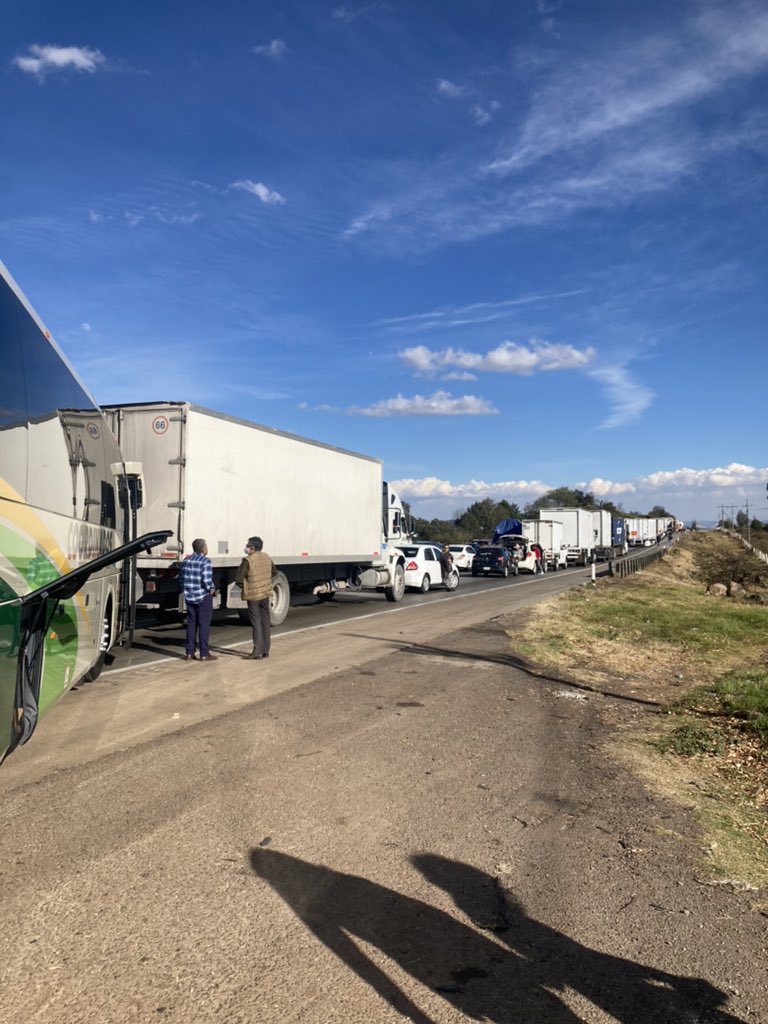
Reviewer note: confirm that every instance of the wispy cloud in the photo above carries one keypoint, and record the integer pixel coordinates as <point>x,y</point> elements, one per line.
<point>628,86</point>
<point>509,357</point>
<point>275,49</point>
<point>450,89</point>
<point>41,61</point>
<point>621,126</point>
<point>483,115</point>
<point>350,14</point>
<point>627,398</point>
<point>260,190</point>
<point>135,217</point>
<point>476,312</point>
<point>441,403</point>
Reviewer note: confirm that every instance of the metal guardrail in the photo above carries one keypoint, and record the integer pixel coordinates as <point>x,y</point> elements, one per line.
<point>630,564</point>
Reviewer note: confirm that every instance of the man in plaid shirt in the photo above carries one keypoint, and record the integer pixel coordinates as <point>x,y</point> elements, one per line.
<point>196,581</point>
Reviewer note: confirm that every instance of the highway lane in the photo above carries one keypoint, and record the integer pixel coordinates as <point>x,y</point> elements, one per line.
<point>154,641</point>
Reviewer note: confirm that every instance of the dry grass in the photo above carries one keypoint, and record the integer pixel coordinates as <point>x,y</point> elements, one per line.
<point>658,636</point>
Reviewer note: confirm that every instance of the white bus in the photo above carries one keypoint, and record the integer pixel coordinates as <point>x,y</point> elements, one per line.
<point>67,509</point>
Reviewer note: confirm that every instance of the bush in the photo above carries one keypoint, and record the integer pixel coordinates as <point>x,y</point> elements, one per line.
<point>728,564</point>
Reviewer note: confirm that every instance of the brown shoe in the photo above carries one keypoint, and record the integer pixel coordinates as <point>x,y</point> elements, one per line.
<point>208,657</point>
<point>190,657</point>
<point>253,656</point>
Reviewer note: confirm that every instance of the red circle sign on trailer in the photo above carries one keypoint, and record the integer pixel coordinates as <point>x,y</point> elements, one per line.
<point>160,424</point>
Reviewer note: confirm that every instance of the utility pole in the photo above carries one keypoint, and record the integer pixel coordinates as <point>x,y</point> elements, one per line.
<point>749,527</point>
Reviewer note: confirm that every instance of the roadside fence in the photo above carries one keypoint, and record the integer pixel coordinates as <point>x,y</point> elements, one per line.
<point>755,551</point>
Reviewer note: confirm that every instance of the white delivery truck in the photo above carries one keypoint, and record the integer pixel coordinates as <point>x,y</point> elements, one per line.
<point>548,534</point>
<point>327,519</point>
<point>578,532</point>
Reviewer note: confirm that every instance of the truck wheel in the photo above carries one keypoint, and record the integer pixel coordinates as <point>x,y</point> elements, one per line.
<point>280,601</point>
<point>424,588</point>
<point>396,591</point>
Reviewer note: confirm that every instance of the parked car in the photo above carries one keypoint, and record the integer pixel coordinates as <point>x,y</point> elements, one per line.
<point>493,561</point>
<point>422,567</point>
<point>462,556</point>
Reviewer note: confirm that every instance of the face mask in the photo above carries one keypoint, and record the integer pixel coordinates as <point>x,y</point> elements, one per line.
<point>247,550</point>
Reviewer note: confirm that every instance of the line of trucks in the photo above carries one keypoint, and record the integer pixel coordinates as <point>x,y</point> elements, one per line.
<point>328,519</point>
<point>578,536</point>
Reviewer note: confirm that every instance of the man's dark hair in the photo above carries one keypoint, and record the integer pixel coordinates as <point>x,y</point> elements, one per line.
<point>198,545</point>
<point>256,543</point>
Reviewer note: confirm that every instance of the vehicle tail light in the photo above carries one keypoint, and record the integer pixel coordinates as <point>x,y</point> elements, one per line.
<point>411,566</point>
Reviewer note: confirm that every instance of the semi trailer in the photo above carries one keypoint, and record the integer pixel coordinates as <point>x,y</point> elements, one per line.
<point>328,520</point>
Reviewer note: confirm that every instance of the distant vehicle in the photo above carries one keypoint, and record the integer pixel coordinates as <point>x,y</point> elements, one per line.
<point>422,567</point>
<point>462,556</point>
<point>494,561</point>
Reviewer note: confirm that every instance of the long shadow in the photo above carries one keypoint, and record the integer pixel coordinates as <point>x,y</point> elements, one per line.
<point>511,983</point>
<point>511,661</point>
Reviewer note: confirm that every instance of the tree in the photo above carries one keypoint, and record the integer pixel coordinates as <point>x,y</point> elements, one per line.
<point>480,518</point>
<point>659,512</point>
<point>756,525</point>
<point>565,496</point>
<point>742,519</point>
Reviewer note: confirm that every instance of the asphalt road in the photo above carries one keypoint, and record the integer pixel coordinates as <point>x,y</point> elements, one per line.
<point>389,820</point>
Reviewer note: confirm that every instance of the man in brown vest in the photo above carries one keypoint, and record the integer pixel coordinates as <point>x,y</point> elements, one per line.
<point>255,575</point>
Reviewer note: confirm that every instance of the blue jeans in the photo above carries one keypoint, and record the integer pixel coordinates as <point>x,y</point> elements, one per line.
<point>199,624</point>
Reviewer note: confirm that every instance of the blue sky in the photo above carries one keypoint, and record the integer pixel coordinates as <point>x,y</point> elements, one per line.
<point>502,245</point>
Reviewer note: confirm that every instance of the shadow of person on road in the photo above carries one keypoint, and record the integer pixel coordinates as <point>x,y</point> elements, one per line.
<point>629,991</point>
<point>514,983</point>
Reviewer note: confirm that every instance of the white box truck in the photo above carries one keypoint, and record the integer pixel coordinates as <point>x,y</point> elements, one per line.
<point>578,532</point>
<point>548,534</point>
<point>327,519</point>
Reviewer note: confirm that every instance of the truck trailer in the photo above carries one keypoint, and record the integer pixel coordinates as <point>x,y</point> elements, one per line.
<point>548,534</point>
<point>610,535</point>
<point>578,532</point>
<point>328,520</point>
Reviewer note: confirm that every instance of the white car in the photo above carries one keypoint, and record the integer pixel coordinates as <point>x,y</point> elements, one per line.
<point>462,556</point>
<point>422,567</point>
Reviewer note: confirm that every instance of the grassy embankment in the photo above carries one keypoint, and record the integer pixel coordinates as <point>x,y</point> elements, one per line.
<point>659,636</point>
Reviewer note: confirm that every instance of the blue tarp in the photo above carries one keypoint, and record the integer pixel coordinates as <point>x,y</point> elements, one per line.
<point>507,526</point>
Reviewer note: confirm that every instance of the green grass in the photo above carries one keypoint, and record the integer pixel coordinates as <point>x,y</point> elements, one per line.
<point>737,702</point>
<point>674,615</point>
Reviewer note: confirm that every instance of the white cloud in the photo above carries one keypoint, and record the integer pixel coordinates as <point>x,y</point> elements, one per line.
<point>433,487</point>
<point>274,49</point>
<point>509,357</point>
<point>734,476</point>
<point>441,403</point>
<point>685,492</point>
<point>628,399</point>
<point>260,190</point>
<point>97,218</point>
<point>86,327</point>
<point>449,89</point>
<point>43,60</point>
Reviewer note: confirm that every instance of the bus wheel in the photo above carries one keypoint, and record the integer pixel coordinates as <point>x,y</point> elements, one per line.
<point>96,668</point>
